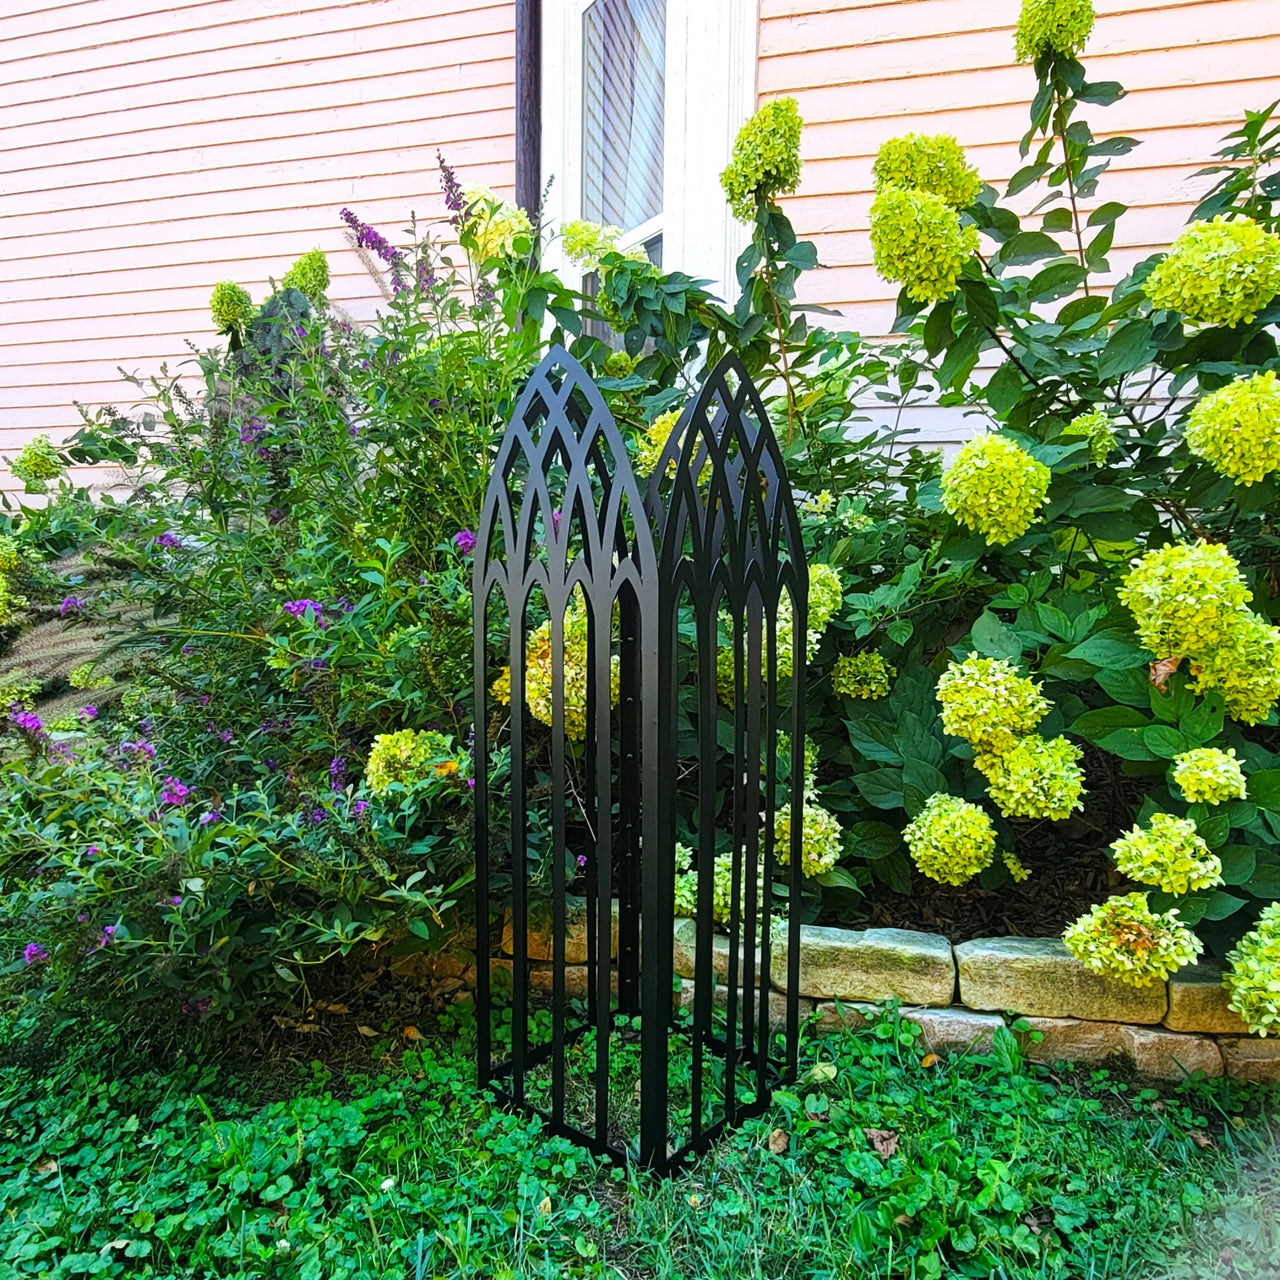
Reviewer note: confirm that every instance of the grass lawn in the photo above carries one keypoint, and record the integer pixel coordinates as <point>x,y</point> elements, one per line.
<point>148,1153</point>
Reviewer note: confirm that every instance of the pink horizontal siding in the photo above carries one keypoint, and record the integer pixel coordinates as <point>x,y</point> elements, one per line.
<point>149,150</point>
<point>867,70</point>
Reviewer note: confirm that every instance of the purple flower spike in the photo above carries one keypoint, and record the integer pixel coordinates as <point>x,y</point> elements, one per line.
<point>454,200</point>
<point>170,541</point>
<point>175,792</point>
<point>26,720</point>
<point>34,953</point>
<point>72,604</point>
<point>359,807</point>
<point>88,713</point>
<point>465,541</point>
<point>368,238</point>
<point>108,932</point>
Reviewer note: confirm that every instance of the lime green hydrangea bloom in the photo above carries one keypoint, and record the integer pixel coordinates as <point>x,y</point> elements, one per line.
<point>989,704</point>
<point>406,757</point>
<point>1207,775</point>
<point>1015,868</point>
<point>1170,855</point>
<point>951,840</point>
<point>231,307</point>
<point>995,488</point>
<point>1060,25</point>
<point>821,839</point>
<point>587,242</point>
<point>36,464</point>
<point>1185,598</point>
<point>1219,273</point>
<point>651,442</point>
<point>1035,778</point>
<point>917,241</point>
<point>310,275</point>
<point>1097,429</point>
<point>1236,429</point>
<point>862,675</point>
<point>495,225</point>
<point>826,595</point>
<point>619,364</point>
<point>686,886</point>
<point>1243,666</point>
<point>766,158</point>
<point>1123,938</point>
<point>935,163</point>
<point>1254,976</point>
<point>10,554</point>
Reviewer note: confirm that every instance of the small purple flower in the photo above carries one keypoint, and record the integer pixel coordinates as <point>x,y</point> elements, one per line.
<point>175,792</point>
<point>197,1008</point>
<point>465,541</point>
<point>170,541</point>
<point>368,238</point>
<point>87,713</point>
<point>251,431</point>
<point>318,815</point>
<point>212,816</point>
<point>108,932</point>
<point>354,430</point>
<point>72,604</point>
<point>140,748</point>
<point>582,859</point>
<point>188,648</point>
<point>93,851</point>
<point>298,608</point>
<point>555,520</point>
<point>34,953</point>
<point>61,753</point>
<point>176,900</point>
<point>26,720</point>
<point>318,664</point>
<point>337,772</point>
<point>82,918</point>
<point>359,807</point>
<point>272,765</point>
<point>471,784</point>
<point>276,516</point>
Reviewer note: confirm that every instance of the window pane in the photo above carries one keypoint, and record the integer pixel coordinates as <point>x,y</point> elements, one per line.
<point>624,45</point>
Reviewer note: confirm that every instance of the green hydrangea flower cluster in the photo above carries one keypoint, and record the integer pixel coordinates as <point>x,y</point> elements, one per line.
<point>653,439</point>
<point>1060,25</point>
<point>619,364</point>
<point>10,554</point>
<point>766,158</point>
<point>1236,429</point>
<point>950,840</point>
<point>495,225</point>
<point>821,839</point>
<point>231,307</point>
<point>989,704</point>
<point>1123,938</point>
<point>406,756</point>
<point>36,464</point>
<point>1207,775</point>
<point>686,886</point>
<point>1035,778</point>
<point>587,242</point>
<point>1097,429</point>
<point>935,163</point>
<point>917,241</point>
<point>862,675</point>
<point>1244,668</point>
<point>1015,868</point>
<point>1254,976</point>
<point>309,275</point>
<point>1170,855</point>
<point>995,488</point>
<point>1218,273</point>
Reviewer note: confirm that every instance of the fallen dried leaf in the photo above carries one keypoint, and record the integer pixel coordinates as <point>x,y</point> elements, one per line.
<point>779,1142</point>
<point>367,1031</point>
<point>1202,1140</point>
<point>47,1166</point>
<point>325,1006</point>
<point>544,1206</point>
<point>930,1060</point>
<point>305,1027</point>
<point>903,1220</point>
<point>1162,669</point>
<point>411,1033</point>
<point>885,1141</point>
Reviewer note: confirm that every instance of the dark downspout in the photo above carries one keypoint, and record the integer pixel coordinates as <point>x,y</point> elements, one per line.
<point>528,104</point>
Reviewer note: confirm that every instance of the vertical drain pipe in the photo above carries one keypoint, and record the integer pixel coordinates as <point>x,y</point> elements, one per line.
<point>528,105</point>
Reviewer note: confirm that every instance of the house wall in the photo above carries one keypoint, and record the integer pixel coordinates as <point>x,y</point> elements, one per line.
<point>148,150</point>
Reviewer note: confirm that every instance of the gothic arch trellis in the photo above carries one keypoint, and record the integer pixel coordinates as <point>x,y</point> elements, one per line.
<point>709,559</point>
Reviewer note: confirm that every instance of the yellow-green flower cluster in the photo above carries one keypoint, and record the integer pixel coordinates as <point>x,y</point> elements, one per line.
<point>989,704</point>
<point>37,462</point>
<point>1207,775</point>
<point>1060,25</point>
<point>11,604</point>
<point>1015,868</point>
<point>950,840</point>
<point>87,676</point>
<point>1169,854</point>
<point>1219,273</point>
<point>917,241</point>
<point>230,306</point>
<point>766,158</point>
<point>1035,778</point>
<point>1254,976</point>
<point>686,887</point>
<point>10,554</point>
<point>619,364</point>
<point>310,274</point>
<point>1244,668</point>
<point>821,839</point>
<point>862,675</point>
<point>1236,429</point>
<point>494,224</point>
<point>538,673</point>
<point>651,442</point>
<point>935,163</point>
<point>1096,428</point>
<point>587,242</point>
<point>407,757</point>
<point>1123,938</point>
<point>995,488</point>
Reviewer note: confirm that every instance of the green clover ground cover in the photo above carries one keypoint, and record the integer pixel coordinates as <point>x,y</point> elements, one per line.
<point>123,1156</point>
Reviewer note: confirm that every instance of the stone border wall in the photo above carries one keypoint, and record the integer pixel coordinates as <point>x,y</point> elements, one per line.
<point>959,995</point>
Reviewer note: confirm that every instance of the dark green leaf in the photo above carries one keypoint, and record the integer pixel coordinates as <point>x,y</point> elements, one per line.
<point>994,639</point>
<point>1238,862</point>
<point>1128,348</point>
<point>1165,742</point>
<point>1094,725</point>
<point>882,788</point>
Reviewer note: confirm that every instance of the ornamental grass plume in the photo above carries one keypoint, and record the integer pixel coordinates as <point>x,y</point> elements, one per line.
<point>1236,429</point>
<point>36,464</point>
<point>1123,938</point>
<point>309,275</point>
<point>935,163</point>
<point>1243,666</point>
<point>988,703</point>
<point>1254,976</point>
<point>1218,273</point>
<point>1185,598</point>
<point>917,241</point>
<point>995,488</point>
<point>1098,431</point>
<point>766,158</point>
<point>1062,26</point>
<point>862,675</point>
<point>231,307</point>
<point>821,839</point>
<point>1035,778</point>
<point>950,840</point>
<point>495,225</point>
<point>1170,854</point>
<point>1207,775</point>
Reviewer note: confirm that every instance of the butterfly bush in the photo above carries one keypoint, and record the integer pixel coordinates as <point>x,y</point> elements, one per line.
<point>862,675</point>
<point>1253,978</point>
<point>918,241</point>
<point>309,274</point>
<point>1170,854</point>
<point>1058,26</point>
<point>995,487</point>
<point>1098,430</point>
<point>1218,273</point>
<point>950,839</point>
<point>766,158</point>
<point>1208,775</point>
<point>1123,938</point>
<point>1035,778</point>
<point>1236,429</point>
<point>988,703</point>
<point>934,163</point>
<point>821,838</point>
<point>231,307</point>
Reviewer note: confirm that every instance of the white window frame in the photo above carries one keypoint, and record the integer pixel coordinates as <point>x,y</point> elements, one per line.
<point>710,89</point>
